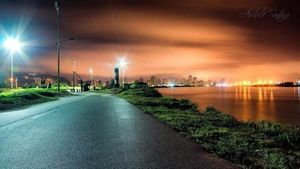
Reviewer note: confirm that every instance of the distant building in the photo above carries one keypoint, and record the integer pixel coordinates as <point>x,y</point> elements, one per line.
<point>40,79</point>
<point>107,83</point>
<point>140,79</point>
<point>194,81</point>
<point>164,82</point>
<point>154,81</point>
<point>99,83</point>
<point>190,80</point>
<point>37,81</point>
<point>201,83</point>
<point>48,81</point>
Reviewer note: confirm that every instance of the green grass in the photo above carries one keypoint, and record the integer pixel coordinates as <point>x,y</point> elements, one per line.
<point>15,98</point>
<point>248,144</point>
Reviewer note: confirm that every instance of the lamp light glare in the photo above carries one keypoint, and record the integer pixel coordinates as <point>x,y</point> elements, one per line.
<point>12,45</point>
<point>91,70</point>
<point>122,62</point>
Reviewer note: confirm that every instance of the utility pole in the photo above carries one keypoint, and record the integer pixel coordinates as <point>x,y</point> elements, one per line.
<point>57,6</point>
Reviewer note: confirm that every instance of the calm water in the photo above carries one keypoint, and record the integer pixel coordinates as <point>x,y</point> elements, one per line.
<point>246,103</point>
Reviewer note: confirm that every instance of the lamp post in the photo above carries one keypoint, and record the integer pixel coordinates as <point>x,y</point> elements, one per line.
<point>57,6</point>
<point>123,65</point>
<point>59,42</point>
<point>12,45</point>
<point>91,71</point>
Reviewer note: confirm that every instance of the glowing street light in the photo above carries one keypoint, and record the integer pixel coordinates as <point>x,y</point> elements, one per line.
<point>12,45</point>
<point>122,63</point>
<point>91,71</point>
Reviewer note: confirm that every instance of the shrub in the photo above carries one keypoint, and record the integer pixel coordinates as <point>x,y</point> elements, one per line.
<point>187,104</point>
<point>234,147</point>
<point>19,97</point>
<point>28,96</point>
<point>209,133</point>
<point>274,160</point>
<point>142,92</point>
<point>47,93</point>
<point>290,138</point>
<point>220,119</point>
<point>269,128</point>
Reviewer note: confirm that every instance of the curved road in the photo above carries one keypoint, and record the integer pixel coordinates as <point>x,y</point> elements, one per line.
<point>95,131</point>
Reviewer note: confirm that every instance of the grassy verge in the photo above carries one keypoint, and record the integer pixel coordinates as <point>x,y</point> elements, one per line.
<point>250,145</point>
<point>10,99</point>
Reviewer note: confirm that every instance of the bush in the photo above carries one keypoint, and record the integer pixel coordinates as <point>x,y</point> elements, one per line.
<point>48,93</point>
<point>289,139</point>
<point>179,121</point>
<point>142,92</point>
<point>28,96</point>
<point>274,160</point>
<point>20,97</point>
<point>235,147</point>
<point>269,128</point>
<point>117,90</point>
<point>220,119</point>
<point>209,134</point>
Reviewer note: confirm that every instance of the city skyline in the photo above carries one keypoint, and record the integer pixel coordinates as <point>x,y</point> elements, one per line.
<point>44,79</point>
<point>211,40</point>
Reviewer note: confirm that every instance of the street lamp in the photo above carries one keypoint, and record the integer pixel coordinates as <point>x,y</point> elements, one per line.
<point>57,5</point>
<point>91,71</point>
<point>122,63</point>
<point>13,45</point>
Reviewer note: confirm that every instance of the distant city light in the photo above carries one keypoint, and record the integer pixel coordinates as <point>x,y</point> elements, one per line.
<point>12,45</point>
<point>223,85</point>
<point>171,84</point>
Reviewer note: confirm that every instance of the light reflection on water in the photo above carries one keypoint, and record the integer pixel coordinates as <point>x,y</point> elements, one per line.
<point>247,103</point>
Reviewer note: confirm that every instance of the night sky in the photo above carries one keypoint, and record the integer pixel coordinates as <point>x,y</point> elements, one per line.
<point>211,39</point>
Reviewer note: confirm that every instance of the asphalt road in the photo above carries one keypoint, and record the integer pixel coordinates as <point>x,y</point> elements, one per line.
<point>95,131</point>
